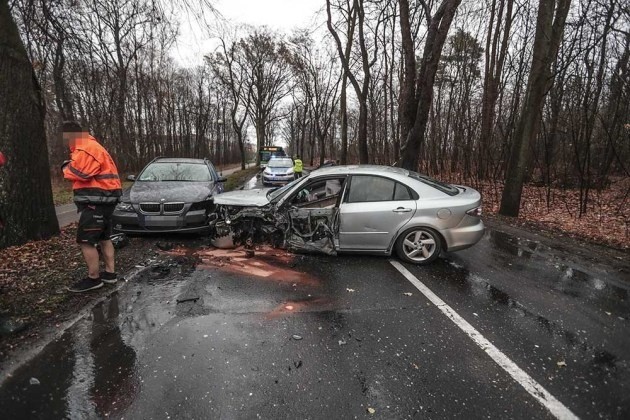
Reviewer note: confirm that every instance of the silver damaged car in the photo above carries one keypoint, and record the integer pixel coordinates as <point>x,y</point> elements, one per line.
<point>355,209</point>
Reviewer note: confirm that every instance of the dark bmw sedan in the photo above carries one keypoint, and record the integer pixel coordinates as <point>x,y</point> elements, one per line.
<point>169,195</point>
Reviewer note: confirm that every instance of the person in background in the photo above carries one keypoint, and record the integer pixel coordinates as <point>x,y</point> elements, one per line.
<point>97,190</point>
<point>298,166</point>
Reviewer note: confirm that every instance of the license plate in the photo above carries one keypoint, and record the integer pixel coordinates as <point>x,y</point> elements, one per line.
<point>161,221</point>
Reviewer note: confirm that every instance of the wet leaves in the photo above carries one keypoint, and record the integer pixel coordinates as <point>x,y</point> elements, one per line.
<point>371,410</point>
<point>33,281</point>
<point>556,210</point>
<point>561,363</point>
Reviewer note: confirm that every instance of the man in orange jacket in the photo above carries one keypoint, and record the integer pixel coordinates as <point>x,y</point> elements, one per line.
<point>97,190</point>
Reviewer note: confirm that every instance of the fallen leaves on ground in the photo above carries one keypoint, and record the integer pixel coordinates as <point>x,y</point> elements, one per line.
<point>606,220</point>
<point>34,277</point>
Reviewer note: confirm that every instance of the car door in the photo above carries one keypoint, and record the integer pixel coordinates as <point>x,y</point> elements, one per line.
<point>314,215</point>
<point>374,209</point>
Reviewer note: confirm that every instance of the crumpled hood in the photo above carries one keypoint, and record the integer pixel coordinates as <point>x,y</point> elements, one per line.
<point>243,198</point>
<point>154,192</point>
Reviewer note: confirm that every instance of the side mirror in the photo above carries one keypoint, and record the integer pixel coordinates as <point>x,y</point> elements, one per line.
<point>131,178</point>
<point>222,179</point>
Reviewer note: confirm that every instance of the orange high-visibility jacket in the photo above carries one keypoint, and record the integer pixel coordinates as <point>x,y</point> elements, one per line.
<point>93,173</point>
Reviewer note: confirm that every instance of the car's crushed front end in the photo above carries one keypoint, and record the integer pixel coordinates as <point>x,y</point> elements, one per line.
<point>247,218</point>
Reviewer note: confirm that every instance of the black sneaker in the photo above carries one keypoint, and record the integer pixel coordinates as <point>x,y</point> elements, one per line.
<point>85,285</point>
<point>109,278</point>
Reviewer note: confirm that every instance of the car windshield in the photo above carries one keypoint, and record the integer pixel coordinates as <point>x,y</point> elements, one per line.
<point>280,163</point>
<point>438,185</point>
<point>175,171</point>
<point>276,194</point>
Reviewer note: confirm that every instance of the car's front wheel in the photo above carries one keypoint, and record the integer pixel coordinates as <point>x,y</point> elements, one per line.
<point>419,245</point>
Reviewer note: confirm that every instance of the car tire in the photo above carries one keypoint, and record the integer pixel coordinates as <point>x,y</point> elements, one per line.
<point>419,245</point>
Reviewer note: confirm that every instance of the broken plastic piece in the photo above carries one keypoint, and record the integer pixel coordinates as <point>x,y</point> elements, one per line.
<point>119,240</point>
<point>166,246</point>
<point>296,337</point>
<point>34,381</point>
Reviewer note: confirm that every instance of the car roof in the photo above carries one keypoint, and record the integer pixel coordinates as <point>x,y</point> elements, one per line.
<point>178,160</point>
<point>363,170</point>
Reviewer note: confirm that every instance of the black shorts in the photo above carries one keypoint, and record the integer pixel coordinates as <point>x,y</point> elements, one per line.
<point>95,223</point>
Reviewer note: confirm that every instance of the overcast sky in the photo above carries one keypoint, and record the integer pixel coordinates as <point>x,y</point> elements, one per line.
<point>281,15</point>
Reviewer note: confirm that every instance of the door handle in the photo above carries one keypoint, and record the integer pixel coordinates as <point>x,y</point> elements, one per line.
<point>401,210</point>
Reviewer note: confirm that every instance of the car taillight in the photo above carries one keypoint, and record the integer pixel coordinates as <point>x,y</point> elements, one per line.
<point>476,212</point>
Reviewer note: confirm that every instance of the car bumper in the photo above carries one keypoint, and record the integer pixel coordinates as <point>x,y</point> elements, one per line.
<point>278,179</point>
<point>130,222</point>
<point>466,234</point>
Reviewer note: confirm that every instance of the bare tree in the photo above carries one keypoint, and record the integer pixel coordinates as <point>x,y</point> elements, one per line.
<point>550,23</point>
<point>438,26</point>
<point>357,11</point>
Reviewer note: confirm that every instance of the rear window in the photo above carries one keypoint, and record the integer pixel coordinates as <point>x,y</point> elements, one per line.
<point>438,185</point>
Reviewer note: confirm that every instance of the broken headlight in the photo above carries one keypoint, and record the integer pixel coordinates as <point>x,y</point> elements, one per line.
<point>126,207</point>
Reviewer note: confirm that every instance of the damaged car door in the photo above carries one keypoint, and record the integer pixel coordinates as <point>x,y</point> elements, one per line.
<point>374,210</point>
<point>314,215</point>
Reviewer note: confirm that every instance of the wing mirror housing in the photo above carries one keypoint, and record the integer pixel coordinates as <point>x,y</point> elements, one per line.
<point>222,179</point>
<point>131,178</point>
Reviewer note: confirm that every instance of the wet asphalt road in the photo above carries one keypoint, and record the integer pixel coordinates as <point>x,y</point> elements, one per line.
<point>331,337</point>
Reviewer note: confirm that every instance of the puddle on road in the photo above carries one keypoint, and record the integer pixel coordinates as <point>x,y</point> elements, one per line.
<point>299,305</point>
<point>89,372</point>
<point>569,278</point>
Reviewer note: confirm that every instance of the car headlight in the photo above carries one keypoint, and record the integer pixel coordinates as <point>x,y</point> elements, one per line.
<point>267,171</point>
<point>290,171</point>
<point>125,207</point>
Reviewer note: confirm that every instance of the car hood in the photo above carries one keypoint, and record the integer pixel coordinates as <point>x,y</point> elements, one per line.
<point>278,170</point>
<point>244,198</point>
<point>178,191</point>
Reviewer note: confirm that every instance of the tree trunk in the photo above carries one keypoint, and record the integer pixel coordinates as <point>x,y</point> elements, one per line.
<point>26,206</point>
<point>549,29</point>
<point>344,121</point>
<point>495,59</point>
<point>436,36</point>
<point>408,106</point>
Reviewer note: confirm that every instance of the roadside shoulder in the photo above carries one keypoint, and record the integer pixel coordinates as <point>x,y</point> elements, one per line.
<point>579,248</point>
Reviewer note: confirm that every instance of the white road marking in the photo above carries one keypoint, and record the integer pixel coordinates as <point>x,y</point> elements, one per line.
<point>557,409</point>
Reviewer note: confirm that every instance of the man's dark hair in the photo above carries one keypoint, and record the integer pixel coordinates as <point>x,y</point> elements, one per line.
<point>297,156</point>
<point>71,127</point>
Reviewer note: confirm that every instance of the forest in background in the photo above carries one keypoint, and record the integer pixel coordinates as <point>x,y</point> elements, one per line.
<point>454,89</point>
